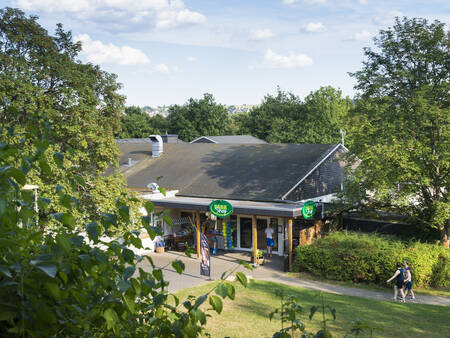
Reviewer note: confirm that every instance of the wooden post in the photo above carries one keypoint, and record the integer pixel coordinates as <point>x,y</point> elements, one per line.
<point>197,227</point>
<point>255,240</point>
<point>290,243</point>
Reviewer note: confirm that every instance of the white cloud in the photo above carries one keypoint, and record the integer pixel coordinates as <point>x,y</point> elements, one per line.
<point>261,34</point>
<point>363,2</point>
<point>363,36</point>
<point>314,27</point>
<point>387,19</point>
<point>162,13</point>
<point>99,53</point>
<point>162,68</point>
<point>191,59</point>
<point>291,60</point>
<point>307,2</point>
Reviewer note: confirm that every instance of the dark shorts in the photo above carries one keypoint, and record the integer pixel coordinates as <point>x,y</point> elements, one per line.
<point>408,286</point>
<point>399,284</point>
<point>269,242</point>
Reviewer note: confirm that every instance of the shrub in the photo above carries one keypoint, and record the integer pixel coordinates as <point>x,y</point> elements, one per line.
<point>371,258</point>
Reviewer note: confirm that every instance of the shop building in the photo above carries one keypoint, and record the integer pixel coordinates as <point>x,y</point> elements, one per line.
<point>266,184</point>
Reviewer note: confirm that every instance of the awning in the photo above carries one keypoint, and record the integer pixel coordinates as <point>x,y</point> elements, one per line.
<point>239,207</point>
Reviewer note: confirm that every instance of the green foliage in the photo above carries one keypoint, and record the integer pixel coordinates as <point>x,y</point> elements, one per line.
<point>197,118</point>
<point>400,125</point>
<point>136,123</point>
<point>60,283</point>
<point>290,312</point>
<point>73,110</point>
<point>284,118</point>
<point>371,259</point>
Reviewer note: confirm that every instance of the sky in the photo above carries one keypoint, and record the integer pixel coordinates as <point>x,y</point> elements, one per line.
<point>165,52</point>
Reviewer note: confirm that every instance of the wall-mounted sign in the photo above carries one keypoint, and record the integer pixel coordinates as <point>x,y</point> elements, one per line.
<point>221,208</point>
<point>309,209</point>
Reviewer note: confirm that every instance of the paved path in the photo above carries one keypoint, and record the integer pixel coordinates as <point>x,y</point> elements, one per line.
<point>271,271</point>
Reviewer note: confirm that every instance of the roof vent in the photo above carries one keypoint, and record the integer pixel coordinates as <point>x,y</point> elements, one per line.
<point>157,145</point>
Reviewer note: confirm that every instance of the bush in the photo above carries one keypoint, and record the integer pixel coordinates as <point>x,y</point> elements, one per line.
<point>371,258</point>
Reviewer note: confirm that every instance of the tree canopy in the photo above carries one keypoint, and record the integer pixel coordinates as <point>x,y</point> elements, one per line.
<point>136,123</point>
<point>202,117</point>
<point>285,118</point>
<point>400,124</point>
<point>73,107</point>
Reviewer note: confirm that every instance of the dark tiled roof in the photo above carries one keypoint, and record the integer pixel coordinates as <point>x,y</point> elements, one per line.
<point>259,172</point>
<point>229,139</point>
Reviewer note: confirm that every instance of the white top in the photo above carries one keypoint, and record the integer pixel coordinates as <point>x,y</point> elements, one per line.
<point>269,232</point>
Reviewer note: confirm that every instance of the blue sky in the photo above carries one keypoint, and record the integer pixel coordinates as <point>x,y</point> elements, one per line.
<point>165,52</point>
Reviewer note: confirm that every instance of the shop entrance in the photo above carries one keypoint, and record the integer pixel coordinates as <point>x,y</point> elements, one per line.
<point>261,225</point>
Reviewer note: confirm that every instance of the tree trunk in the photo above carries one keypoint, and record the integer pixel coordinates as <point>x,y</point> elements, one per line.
<point>445,234</point>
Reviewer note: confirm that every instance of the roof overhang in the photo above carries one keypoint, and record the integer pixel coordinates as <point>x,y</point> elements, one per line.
<point>239,206</point>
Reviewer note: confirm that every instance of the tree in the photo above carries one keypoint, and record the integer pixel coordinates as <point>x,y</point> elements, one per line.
<point>74,108</point>
<point>400,125</point>
<point>136,123</point>
<point>203,117</point>
<point>285,118</point>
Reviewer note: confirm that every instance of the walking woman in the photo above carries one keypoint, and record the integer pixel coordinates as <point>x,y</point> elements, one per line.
<point>398,282</point>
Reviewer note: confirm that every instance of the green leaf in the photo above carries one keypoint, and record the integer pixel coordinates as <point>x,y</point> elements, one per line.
<point>157,273</point>
<point>53,289</point>
<point>5,271</point>
<point>111,318</point>
<point>242,278</point>
<point>17,174</point>
<point>128,255</point>
<point>178,266</point>
<point>247,265</point>
<point>200,300</point>
<point>63,242</point>
<point>231,290</point>
<point>5,242</point>
<point>129,302</point>
<point>57,216</point>
<point>313,311</point>
<point>168,220</point>
<point>77,241</point>
<point>92,230</point>
<point>128,272</point>
<point>68,219</point>
<point>216,303</point>
<point>149,207</point>
<point>124,285</point>
<point>49,269</point>
<point>124,212</point>
<point>59,158</point>
<point>45,167</point>
<point>332,311</point>
<point>222,290</point>
<point>200,316</point>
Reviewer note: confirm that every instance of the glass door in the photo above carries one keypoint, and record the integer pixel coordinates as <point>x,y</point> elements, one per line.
<point>261,225</point>
<point>246,232</point>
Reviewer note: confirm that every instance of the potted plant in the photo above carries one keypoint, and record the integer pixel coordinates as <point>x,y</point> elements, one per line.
<point>260,256</point>
<point>160,246</point>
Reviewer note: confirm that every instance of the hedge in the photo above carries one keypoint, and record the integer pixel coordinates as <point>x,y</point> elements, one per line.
<point>371,258</point>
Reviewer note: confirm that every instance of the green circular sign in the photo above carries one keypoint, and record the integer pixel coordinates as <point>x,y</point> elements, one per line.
<point>309,209</point>
<point>220,208</point>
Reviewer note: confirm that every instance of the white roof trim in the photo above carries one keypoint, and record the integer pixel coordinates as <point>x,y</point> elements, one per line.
<point>198,138</point>
<point>311,171</point>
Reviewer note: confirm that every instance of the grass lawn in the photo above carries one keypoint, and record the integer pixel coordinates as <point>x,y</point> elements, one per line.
<point>247,315</point>
<point>420,291</point>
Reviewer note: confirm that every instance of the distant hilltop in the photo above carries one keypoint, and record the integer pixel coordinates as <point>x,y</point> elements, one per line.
<point>232,109</point>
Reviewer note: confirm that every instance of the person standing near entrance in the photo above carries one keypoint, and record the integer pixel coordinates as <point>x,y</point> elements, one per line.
<point>269,240</point>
